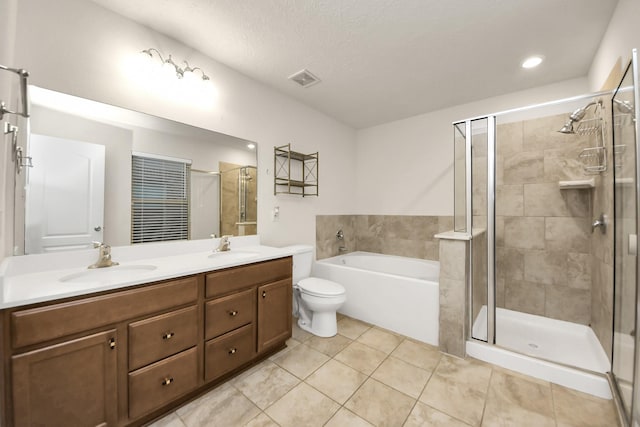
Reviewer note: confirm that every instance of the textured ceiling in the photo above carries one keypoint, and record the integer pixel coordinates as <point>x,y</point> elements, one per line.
<point>383,60</point>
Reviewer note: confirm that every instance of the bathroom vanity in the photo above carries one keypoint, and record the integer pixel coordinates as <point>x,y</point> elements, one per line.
<point>125,356</point>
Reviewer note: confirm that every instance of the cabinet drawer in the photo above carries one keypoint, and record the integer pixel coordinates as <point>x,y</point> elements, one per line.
<point>54,321</point>
<point>228,313</point>
<point>228,352</point>
<point>233,279</point>
<point>157,384</point>
<point>161,336</point>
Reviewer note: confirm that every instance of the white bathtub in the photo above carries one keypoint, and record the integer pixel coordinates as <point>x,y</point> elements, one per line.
<point>396,293</point>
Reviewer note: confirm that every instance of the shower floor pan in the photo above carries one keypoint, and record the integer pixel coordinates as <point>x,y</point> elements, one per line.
<point>527,343</point>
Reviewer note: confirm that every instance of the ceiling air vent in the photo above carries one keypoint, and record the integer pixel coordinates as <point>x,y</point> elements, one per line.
<point>304,78</point>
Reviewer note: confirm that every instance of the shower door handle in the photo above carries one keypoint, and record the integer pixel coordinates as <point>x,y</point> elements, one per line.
<point>633,244</point>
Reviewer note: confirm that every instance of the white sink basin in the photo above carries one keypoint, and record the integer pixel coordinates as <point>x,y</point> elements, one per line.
<point>229,256</point>
<point>109,274</point>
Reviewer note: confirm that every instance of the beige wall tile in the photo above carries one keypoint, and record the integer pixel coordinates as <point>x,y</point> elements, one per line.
<point>542,133</point>
<point>579,268</point>
<point>509,138</point>
<point>402,235</point>
<point>451,334</point>
<point>528,297</point>
<point>545,267</point>
<point>568,234</point>
<point>452,259</point>
<point>524,232</point>
<point>557,304</point>
<point>509,263</point>
<point>520,168</point>
<point>548,200</point>
<point>509,200</point>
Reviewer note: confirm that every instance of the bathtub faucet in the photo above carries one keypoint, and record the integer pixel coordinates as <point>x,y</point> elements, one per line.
<point>340,235</point>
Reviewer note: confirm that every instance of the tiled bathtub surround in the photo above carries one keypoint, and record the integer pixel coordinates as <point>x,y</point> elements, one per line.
<point>402,235</point>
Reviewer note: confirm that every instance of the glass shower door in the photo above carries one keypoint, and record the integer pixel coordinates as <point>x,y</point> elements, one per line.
<point>626,229</point>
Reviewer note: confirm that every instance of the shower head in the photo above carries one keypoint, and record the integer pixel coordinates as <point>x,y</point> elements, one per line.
<point>576,116</point>
<point>623,106</point>
<point>567,128</point>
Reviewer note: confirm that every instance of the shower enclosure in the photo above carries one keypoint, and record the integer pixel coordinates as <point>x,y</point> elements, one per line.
<point>534,187</point>
<point>238,201</point>
<point>624,370</point>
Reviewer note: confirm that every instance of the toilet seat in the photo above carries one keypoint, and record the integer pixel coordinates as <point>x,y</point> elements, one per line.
<point>321,287</point>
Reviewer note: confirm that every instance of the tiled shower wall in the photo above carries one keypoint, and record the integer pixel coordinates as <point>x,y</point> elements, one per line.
<point>602,251</point>
<point>543,234</point>
<point>402,235</point>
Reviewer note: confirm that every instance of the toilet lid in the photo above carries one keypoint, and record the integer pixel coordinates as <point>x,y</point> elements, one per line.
<point>321,287</point>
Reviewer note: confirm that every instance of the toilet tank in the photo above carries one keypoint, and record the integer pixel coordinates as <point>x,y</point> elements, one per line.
<point>302,261</point>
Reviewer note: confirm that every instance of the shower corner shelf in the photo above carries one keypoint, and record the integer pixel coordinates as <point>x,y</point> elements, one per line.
<point>295,173</point>
<point>578,184</point>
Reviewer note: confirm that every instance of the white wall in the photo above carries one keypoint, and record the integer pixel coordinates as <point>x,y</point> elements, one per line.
<point>622,35</point>
<point>77,47</point>
<point>406,167</point>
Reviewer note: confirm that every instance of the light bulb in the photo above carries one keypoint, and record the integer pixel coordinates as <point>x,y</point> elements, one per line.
<point>532,62</point>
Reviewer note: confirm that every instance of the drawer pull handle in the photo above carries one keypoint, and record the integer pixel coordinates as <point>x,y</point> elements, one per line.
<point>233,350</point>
<point>112,343</point>
<point>168,335</point>
<point>264,294</point>
<point>167,381</point>
<point>233,313</point>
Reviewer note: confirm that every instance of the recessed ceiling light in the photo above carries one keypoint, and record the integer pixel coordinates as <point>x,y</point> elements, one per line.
<point>251,146</point>
<point>532,62</point>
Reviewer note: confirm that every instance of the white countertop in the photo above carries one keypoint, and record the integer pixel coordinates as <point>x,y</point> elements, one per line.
<point>46,277</point>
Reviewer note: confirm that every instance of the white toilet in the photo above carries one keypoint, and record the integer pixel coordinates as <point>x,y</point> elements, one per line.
<point>315,300</point>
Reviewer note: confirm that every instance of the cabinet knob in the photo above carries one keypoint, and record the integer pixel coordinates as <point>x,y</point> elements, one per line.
<point>233,350</point>
<point>167,381</point>
<point>168,335</point>
<point>264,294</point>
<point>233,313</point>
<point>112,343</point>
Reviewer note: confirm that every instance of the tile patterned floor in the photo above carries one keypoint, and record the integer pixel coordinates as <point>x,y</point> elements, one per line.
<point>367,376</point>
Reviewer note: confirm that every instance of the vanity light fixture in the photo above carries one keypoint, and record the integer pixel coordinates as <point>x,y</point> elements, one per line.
<point>187,72</point>
<point>532,61</point>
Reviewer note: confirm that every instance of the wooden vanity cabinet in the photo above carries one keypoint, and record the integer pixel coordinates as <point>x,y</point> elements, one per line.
<point>236,307</point>
<point>125,357</point>
<point>72,383</point>
<point>274,313</point>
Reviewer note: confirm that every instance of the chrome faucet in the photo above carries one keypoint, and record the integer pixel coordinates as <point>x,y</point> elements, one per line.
<point>104,256</point>
<point>225,244</point>
<point>600,222</point>
<point>340,235</point>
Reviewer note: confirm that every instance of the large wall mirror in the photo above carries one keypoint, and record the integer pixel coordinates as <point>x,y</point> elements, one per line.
<point>104,173</point>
